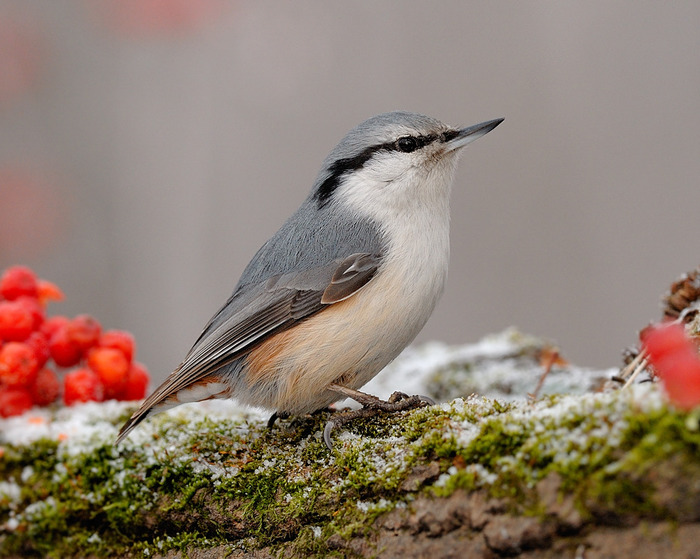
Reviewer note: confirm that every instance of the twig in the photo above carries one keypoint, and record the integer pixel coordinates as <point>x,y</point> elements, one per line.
<point>632,365</point>
<point>638,369</point>
<point>548,367</point>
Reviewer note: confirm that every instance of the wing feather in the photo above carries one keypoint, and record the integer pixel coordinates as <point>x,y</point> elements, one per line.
<point>258,312</point>
<point>352,274</point>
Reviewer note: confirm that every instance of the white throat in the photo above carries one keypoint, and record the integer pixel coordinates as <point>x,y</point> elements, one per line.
<point>413,212</point>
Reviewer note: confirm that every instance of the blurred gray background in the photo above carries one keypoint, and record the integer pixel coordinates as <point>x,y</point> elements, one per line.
<point>147,149</point>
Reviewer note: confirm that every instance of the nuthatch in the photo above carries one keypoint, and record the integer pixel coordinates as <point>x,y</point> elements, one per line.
<point>346,283</point>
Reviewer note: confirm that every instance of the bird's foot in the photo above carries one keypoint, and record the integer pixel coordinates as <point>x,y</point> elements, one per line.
<point>275,416</point>
<point>371,406</point>
<point>286,415</point>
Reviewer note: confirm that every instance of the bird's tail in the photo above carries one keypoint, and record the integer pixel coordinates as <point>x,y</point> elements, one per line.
<point>142,413</point>
<point>174,392</point>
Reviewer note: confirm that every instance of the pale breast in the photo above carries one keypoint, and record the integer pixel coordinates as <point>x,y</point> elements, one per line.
<point>351,341</point>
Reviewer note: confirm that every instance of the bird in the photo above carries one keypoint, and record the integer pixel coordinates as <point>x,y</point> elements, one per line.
<point>344,285</point>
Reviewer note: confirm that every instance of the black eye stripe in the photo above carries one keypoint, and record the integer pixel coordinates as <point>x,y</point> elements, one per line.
<point>341,167</point>
<point>337,169</point>
<point>449,135</point>
<point>407,144</point>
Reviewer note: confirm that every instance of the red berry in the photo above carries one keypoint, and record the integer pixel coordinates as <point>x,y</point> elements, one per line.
<point>136,383</point>
<point>82,385</point>
<point>47,291</point>
<point>18,365</point>
<point>675,359</point>
<point>18,281</point>
<point>34,308</point>
<point>14,401</point>
<point>664,341</point>
<point>16,321</point>
<point>64,350</point>
<point>680,376</point>
<point>84,331</point>
<point>39,343</point>
<point>46,387</point>
<point>119,339</point>
<point>111,366</point>
<point>52,324</point>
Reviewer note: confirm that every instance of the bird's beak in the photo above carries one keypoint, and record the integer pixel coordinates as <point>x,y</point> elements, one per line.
<point>468,135</point>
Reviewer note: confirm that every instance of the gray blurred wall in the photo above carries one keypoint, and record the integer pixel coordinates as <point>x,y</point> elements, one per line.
<point>173,155</point>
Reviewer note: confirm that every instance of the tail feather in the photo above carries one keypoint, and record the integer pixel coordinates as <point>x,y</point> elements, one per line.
<point>133,421</point>
<point>165,398</point>
<point>142,413</point>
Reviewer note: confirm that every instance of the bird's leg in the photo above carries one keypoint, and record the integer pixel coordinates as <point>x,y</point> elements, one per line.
<point>371,406</point>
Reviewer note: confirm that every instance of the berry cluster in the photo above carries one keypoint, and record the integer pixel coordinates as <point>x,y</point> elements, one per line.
<point>102,362</point>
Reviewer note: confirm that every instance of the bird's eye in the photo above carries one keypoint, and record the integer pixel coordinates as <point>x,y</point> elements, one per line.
<point>407,144</point>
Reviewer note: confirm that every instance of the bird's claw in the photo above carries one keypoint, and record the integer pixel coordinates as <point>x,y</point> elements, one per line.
<point>275,416</point>
<point>398,401</point>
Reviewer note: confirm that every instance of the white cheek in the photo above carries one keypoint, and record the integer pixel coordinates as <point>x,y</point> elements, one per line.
<point>390,166</point>
<point>411,186</point>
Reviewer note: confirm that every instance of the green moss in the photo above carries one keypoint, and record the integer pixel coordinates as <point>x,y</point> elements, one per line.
<point>462,479</point>
<point>41,455</point>
<point>495,440</point>
<point>232,482</point>
<point>654,446</point>
<point>183,542</point>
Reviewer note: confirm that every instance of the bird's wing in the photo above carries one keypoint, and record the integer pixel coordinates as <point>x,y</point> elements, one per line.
<point>255,313</point>
<point>275,305</point>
